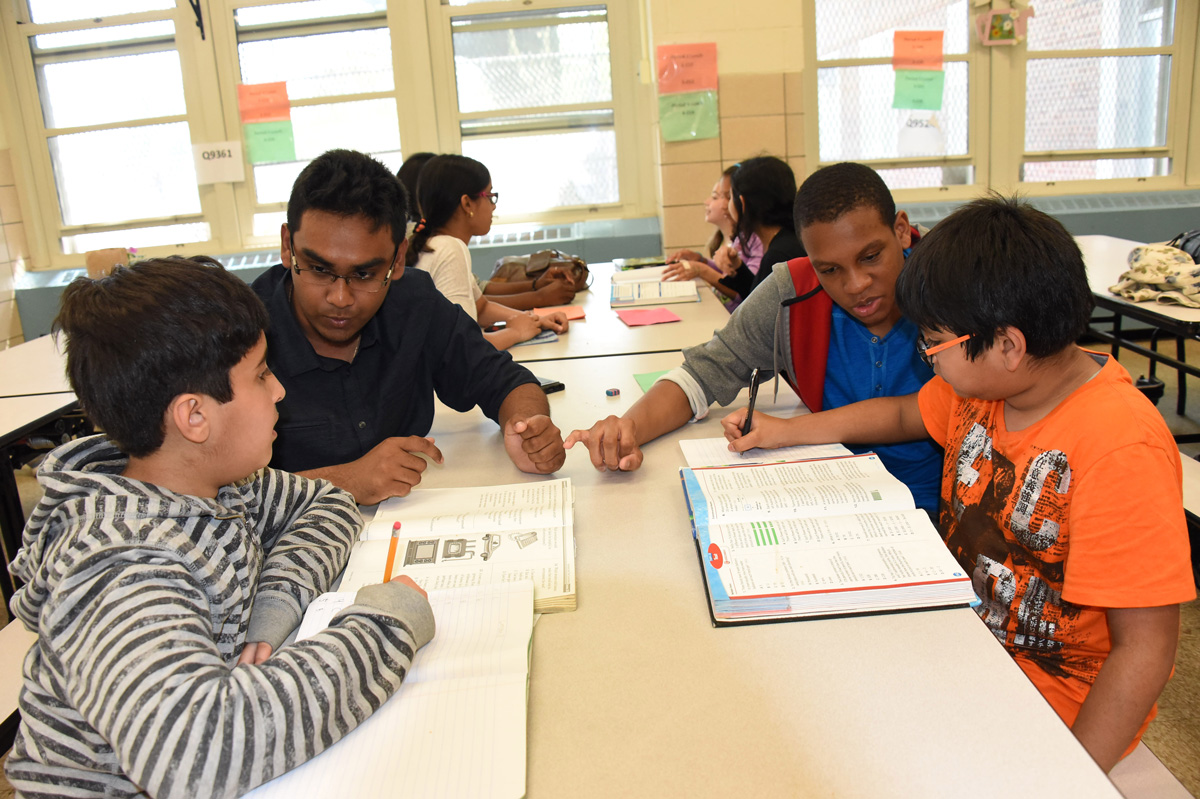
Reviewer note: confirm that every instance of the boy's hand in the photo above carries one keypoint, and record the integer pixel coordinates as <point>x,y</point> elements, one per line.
<point>254,653</point>
<point>612,444</point>
<point>534,444</point>
<point>555,292</point>
<point>406,580</point>
<point>556,321</point>
<point>766,431</point>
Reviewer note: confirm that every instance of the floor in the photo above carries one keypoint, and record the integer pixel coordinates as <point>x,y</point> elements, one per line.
<point>1175,735</point>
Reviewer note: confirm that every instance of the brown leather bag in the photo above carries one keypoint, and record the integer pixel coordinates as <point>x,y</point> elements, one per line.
<point>529,267</point>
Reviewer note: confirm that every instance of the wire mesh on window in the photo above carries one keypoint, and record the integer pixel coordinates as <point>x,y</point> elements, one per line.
<point>1096,103</point>
<point>322,65</point>
<point>865,28</point>
<point>310,10</point>
<point>536,172</point>
<point>162,29</point>
<point>273,182</point>
<point>1101,24</point>
<point>139,237</point>
<point>856,120</point>
<point>1097,169</point>
<point>532,67</point>
<point>107,176</point>
<point>922,177</point>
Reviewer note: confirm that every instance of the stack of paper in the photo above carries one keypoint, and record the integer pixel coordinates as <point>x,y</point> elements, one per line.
<point>453,537</point>
<point>457,726</point>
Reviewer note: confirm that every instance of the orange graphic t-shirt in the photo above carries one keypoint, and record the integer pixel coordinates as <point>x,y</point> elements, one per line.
<point>1079,512</point>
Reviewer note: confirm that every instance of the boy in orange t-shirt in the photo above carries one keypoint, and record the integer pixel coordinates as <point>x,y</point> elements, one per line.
<point>1061,486</point>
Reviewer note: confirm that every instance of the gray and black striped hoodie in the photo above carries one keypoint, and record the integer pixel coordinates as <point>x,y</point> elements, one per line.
<point>143,599</point>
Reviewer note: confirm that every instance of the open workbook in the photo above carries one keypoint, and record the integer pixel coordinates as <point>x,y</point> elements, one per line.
<point>456,727</point>
<point>826,537</point>
<point>454,537</point>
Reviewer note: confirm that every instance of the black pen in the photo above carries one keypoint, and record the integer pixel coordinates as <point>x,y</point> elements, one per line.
<point>753,396</point>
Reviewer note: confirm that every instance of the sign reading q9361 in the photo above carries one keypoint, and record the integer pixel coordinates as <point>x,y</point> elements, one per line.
<point>219,162</point>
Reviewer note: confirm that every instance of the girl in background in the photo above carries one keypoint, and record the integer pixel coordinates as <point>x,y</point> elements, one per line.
<point>725,255</point>
<point>762,193</point>
<point>457,202</point>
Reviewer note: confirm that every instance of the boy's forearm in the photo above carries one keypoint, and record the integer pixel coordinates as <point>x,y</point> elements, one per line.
<point>660,410</point>
<point>881,420</point>
<point>1129,682</point>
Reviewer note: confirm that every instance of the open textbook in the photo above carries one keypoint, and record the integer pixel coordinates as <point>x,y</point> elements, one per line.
<point>456,727</point>
<point>453,537</point>
<point>641,293</point>
<point>824,537</point>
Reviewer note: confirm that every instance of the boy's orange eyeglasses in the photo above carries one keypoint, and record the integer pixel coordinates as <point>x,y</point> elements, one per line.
<point>927,352</point>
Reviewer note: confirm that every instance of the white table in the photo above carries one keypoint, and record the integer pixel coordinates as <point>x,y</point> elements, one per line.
<point>603,333</point>
<point>35,367</point>
<point>1106,258</point>
<point>636,694</point>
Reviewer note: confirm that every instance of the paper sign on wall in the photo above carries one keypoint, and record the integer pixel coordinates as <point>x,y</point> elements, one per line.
<point>687,67</point>
<point>919,88</point>
<point>219,162</point>
<point>270,142</point>
<point>263,102</point>
<point>917,49</point>
<point>688,116</point>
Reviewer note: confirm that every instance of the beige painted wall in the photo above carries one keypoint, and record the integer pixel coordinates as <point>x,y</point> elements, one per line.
<point>752,35</point>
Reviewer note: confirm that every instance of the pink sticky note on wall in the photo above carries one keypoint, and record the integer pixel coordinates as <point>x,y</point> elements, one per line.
<point>687,67</point>
<point>263,102</point>
<point>917,50</point>
<point>636,317</point>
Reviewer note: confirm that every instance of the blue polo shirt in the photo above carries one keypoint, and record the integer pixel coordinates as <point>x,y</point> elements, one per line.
<point>862,365</point>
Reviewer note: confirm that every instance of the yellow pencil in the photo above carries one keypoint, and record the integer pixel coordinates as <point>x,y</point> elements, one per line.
<point>391,558</point>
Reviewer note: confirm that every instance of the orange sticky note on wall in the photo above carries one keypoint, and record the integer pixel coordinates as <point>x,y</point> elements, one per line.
<point>263,102</point>
<point>917,49</point>
<point>687,67</point>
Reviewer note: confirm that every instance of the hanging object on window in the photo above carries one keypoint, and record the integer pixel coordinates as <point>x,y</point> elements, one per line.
<point>266,122</point>
<point>687,91</point>
<point>1002,26</point>
<point>917,62</point>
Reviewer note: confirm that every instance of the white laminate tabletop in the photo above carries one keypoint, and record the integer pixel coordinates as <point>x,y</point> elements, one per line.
<point>1106,258</point>
<point>603,333</point>
<point>35,367</point>
<point>636,693</point>
<point>18,413</point>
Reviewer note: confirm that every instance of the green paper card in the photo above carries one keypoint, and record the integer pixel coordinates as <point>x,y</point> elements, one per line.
<point>270,142</point>
<point>646,380</point>
<point>919,88</point>
<point>688,116</point>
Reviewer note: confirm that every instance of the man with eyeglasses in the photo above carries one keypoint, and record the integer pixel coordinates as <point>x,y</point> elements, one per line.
<point>361,345</point>
<point>827,323</point>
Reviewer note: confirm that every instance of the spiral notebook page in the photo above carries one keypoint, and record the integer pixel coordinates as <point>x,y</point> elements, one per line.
<point>457,727</point>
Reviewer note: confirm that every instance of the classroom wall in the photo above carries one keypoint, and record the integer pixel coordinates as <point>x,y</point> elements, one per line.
<point>759,95</point>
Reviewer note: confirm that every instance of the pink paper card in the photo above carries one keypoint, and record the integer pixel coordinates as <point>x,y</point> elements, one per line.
<point>917,50</point>
<point>687,67</point>
<point>572,311</point>
<point>636,317</point>
<point>263,102</point>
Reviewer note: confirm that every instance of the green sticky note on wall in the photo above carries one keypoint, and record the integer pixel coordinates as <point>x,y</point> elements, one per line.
<point>270,142</point>
<point>688,116</point>
<point>919,88</point>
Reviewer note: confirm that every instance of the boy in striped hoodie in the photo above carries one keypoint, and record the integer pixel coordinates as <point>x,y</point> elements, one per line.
<point>165,565</point>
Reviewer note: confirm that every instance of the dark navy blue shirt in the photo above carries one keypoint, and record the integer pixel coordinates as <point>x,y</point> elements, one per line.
<point>862,365</point>
<point>417,344</point>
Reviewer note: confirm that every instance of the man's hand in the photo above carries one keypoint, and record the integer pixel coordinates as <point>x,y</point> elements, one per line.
<point>391,469</point>
<point>534,444</point>
<point>612,444</point>
<point>254,653</point>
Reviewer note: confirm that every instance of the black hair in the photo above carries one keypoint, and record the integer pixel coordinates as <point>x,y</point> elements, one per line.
<point>837,189</point>
<point>770,186</point>
<point>996,262</point>
<point>348,183</point>
<point>440,188</point>
<point>149,332</point>
<point>408,173</point>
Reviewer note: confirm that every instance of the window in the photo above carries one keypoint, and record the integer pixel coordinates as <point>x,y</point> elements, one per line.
<point>1097,91</point>
<point>112,95</point>
<point>531,96</point>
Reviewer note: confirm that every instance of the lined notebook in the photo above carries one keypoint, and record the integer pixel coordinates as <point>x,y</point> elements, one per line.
<point>457,727</point>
